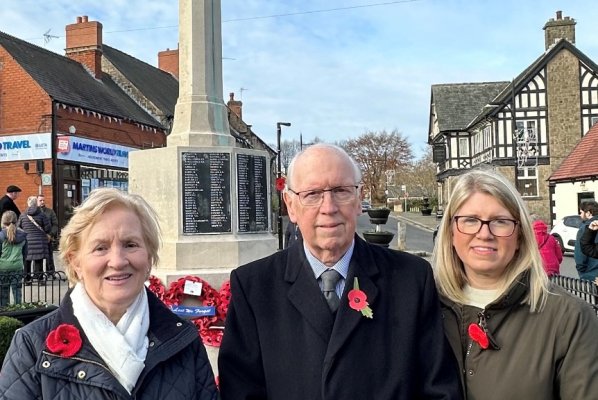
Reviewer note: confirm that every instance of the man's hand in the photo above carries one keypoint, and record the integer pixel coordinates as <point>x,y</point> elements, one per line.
<point>594,225</point>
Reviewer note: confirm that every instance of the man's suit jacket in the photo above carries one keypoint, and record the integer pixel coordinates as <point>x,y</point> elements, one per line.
<point>281,342</point>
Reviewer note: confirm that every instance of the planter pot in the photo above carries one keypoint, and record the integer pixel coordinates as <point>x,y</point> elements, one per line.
<point>379,216</point>
<point>380,238</point>
<point>29,315</point>
<point>426,211</point>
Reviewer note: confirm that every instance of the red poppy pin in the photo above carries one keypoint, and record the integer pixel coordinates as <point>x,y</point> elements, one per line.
<point>280,182</point>
<point>358,300</point>
<point>65,340</point>
<point>477,334</point>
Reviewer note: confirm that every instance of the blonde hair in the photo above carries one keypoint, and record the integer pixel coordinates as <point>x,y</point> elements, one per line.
<point>87,214</point>
<point>9,220</point>
<point>448,267</point>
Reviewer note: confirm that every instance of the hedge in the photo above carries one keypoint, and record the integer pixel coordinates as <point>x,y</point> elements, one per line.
<point>8,326</point>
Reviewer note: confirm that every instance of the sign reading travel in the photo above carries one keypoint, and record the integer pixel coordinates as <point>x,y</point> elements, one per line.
<point>206,193</point>
<point>252,189</point>
<point>36,146</point>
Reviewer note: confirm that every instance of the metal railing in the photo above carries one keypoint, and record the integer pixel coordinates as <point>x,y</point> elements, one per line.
<point>46,287</point>
<point>586,290</point>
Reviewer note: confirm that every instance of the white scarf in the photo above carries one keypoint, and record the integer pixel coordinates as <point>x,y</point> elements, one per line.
<point>124,346</point>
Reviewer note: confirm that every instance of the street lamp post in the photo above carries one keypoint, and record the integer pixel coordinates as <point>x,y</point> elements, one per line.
<point>278,175</point>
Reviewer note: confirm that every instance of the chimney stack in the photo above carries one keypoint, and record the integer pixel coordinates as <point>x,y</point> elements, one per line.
<point>235,106</point>
<point>84,44</point>
<point>168,61</point>
<point>561,28</point>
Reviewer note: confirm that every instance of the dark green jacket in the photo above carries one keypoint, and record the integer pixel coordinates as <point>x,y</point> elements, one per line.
<point>547,355</point>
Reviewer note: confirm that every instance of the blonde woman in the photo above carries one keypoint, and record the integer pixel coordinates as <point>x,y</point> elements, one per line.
<point>515,335</point>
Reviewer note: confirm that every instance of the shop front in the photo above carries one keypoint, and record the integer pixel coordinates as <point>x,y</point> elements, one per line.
<point>84,165</point>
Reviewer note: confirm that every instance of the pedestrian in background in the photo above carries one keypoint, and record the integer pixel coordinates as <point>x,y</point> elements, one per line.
<point>515,334</point>
<point>292,234</point>
<point>7,202</point>
<point>13,249</point>
<point>51,215</point>
<point>550,250</point>
<point>37,226</point>
<point>587,267</point>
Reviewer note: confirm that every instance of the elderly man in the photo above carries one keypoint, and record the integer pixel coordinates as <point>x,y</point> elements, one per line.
<point>7,202</point>
<point>332,317</point>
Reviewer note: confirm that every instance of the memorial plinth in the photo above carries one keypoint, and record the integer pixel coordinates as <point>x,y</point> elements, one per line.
<point>214,208</point>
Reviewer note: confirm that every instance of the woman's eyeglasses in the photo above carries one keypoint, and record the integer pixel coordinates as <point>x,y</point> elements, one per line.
<point>500,227</point>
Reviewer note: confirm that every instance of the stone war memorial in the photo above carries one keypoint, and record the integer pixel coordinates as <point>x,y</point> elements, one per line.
<point>213,198</point>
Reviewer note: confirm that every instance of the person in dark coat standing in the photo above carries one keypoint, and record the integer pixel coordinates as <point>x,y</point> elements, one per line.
<point>7,202</point>
<point>51,215</point>
<point>336,318</point>
<point>37,226</point>
<point>111,338</point>
<point>292,234</point>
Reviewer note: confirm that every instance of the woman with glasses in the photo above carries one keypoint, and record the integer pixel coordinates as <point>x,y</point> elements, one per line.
<point>515,335</point>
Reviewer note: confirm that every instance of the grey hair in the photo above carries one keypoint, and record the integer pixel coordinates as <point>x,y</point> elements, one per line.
<point>322,146</point>
<point>31,201</point>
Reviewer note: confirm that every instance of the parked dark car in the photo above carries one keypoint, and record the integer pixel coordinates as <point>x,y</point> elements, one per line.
<point>365,205</point>
<point>435,233</point>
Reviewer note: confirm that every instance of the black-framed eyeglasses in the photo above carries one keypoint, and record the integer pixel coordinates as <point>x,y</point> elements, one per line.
<point>499,227</point>
<point>314,197</point>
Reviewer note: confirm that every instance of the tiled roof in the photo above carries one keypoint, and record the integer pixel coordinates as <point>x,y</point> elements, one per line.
<point>581,161</point>
<point>67,81</point>
<point>158,86</point>
<point>457,104</point>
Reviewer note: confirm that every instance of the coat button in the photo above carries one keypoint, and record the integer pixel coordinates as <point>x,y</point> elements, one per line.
<point>179,324</point>
<point>81,374</point>
<point>470,372</point>
<point>151,344</point>
<point>46,364</point>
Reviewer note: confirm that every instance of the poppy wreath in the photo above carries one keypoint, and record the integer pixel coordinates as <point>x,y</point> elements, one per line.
<point>210,297</point>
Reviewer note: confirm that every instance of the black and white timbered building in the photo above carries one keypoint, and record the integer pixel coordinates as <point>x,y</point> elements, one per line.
<point>524,128</point>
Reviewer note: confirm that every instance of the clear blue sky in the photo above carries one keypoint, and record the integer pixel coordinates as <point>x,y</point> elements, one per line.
<point>334,69</point>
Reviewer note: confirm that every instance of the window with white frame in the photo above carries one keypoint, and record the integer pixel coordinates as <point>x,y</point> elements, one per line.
<point>527,181</point>
<point>593,121</point>
<point>463,147</point>
<point>526,132</point>
<point>487,137</point>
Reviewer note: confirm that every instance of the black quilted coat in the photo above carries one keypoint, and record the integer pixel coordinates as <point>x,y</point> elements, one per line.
<point>37,238</point>
<point>176,366</point>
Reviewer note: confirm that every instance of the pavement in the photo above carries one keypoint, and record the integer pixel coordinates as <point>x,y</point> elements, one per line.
<point>426,222</point>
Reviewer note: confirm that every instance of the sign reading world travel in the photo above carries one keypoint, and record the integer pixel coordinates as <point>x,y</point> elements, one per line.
<point>252,188</point>
<point>90,151</point>
<point>206,193</point>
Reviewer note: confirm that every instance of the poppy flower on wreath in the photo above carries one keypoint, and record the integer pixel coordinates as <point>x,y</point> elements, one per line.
<point>280,182</point>
<point>65,340</point>
<point>358,300</point>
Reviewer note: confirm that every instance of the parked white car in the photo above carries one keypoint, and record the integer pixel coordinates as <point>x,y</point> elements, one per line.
<point>565,231</point>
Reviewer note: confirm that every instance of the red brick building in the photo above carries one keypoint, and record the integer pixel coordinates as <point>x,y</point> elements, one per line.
<point>65,126</point>
<point>77,117</point>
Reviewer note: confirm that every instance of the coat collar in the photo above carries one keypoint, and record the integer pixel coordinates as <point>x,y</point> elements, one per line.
<point>306,296</point>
